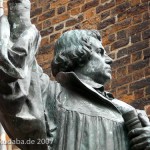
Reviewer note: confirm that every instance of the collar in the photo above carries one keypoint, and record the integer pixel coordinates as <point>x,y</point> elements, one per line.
<point>71,81</point>
<point>93,84</point>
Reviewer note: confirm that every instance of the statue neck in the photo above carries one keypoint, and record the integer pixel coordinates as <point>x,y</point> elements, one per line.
<point>88,80</point>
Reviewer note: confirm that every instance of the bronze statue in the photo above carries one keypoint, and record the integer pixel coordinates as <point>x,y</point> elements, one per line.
<point>72,113</point>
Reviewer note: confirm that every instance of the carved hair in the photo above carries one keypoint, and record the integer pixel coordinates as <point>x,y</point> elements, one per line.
<point>73,50</point>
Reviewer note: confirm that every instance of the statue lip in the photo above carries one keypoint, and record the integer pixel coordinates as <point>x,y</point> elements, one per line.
<point>108,68</point>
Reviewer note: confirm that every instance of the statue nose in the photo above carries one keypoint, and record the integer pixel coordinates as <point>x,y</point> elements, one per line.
<point>109,60</point>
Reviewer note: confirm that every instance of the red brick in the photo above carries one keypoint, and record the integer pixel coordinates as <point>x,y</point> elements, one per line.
<point>47,31</point>
<point>137,9</point>
<point>139,84</point>
<point>44,50</point>
<point>58,3</point>
<point>140,103</point>
<point>138,75</point>
<point>47,15</point>
<point>145,0</point>
<point>75,11</point>
<point>109,39</point>
<point>89,5</point>
<point>146,16</point>
<point>45,41</point>
<point>105,6</point>
<point>121,34</point>
<point>147,91</point>
<point>71,22</point>
<point>46,7</point>
<point>59,27</point>
<point>33,6</point>
<point>147,71</point>
<point>122,52</point>
<point>146,53</point>
<point>135,2</point>
<point>106,23</point>
<point>36,12</point>
<point>137,19</point>
<point>136,56</point>
<point>121,72</point>
<point>60,18</point>
<point>136,38</point>
<point>138,46</point>
<point>123,61</point>
<point>139,93</point>
<point>121,81</point>
<point>77,26</point>
<point>127,98</point>
<point>146,34</point>
<point>103,1</point>
<point>112,55</point>
<point>122,90</point>
<point>90,13</point>
<point>74,4</point>
<point>54,37</point>
<point>39,26</point>
<point>121,8</point>
<point>46,23</point>
<point>114,74</point>
<point>61,9</point>
<point>80,17</point>
<point>34,20</point>
<point>119,43</point>
<point>138,65</point>
<point>105,14</point>
<point>132,11</point>
<point>121,25</point>
<point>137,28</point>
<point>120,1</point>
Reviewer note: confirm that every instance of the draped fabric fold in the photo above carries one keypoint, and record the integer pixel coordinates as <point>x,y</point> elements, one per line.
<point>82,132</point>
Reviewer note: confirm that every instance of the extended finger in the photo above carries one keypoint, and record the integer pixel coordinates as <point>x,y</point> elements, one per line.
<point>144,120</point>
<point>141,146</point>
<point>135,132</point>
<point>139,139</point>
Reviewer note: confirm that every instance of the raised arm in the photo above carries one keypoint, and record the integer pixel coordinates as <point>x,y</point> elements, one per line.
<point>21,102</point>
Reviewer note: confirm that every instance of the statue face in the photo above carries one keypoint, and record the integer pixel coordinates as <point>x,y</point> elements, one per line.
<point>98,68</point>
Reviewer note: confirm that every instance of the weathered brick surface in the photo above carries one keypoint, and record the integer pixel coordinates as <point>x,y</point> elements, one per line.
<point>125,29</point>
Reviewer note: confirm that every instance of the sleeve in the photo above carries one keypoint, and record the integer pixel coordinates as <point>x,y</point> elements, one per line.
<point>16,58</point>
<point>21,101</point>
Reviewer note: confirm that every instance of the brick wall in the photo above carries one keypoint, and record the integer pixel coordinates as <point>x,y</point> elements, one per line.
<point>125,28</point>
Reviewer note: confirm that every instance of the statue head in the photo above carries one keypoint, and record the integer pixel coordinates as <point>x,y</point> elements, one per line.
<point>81,51</point>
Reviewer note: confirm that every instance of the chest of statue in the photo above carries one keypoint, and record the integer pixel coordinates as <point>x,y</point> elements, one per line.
<point>86,124</point>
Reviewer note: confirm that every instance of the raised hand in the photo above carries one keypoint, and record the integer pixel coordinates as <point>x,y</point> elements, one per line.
<point>140,137</point>
<point>19,17</point>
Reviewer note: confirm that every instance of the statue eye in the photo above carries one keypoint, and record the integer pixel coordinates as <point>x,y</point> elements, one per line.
<point>100,51</point>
